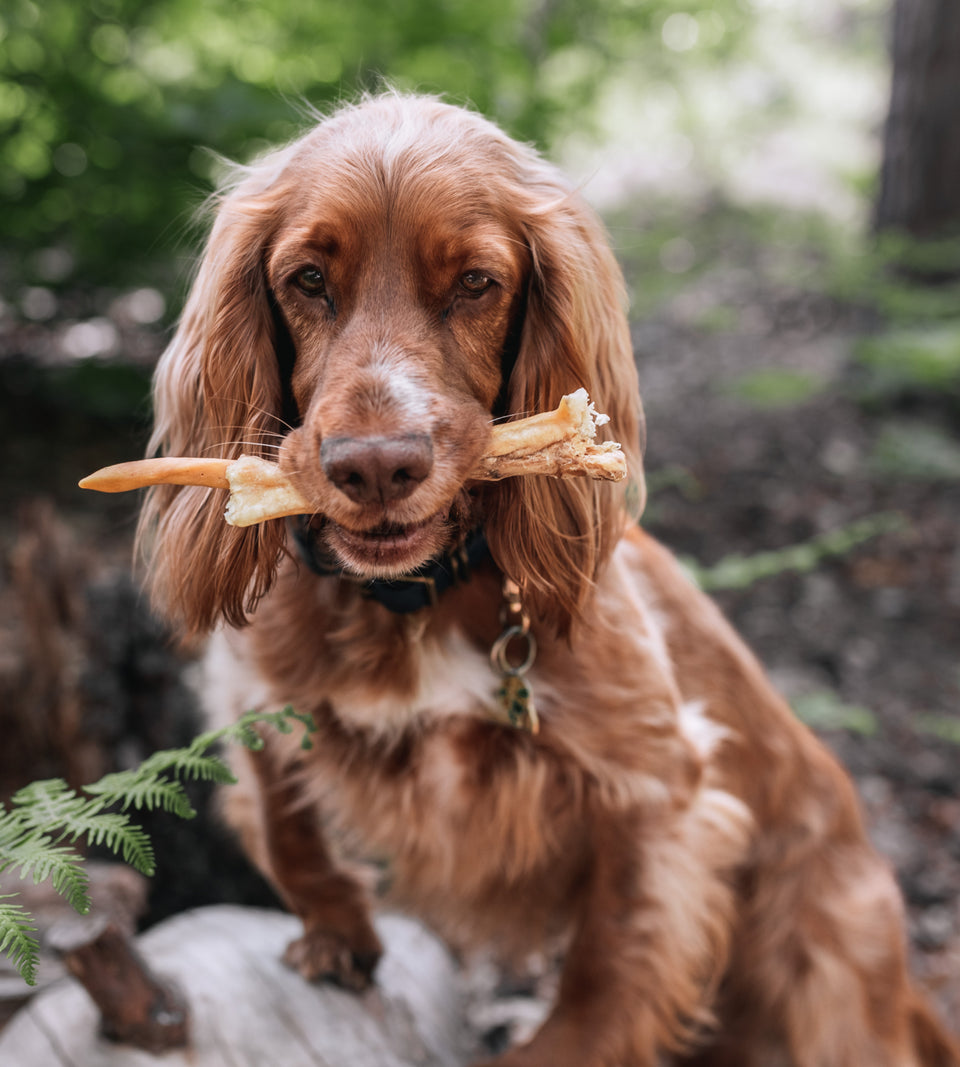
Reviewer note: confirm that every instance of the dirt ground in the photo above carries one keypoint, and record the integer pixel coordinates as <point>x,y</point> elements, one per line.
<point>864,643</point>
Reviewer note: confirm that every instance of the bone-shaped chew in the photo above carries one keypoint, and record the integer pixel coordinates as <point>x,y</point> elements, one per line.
<point>560,443</point>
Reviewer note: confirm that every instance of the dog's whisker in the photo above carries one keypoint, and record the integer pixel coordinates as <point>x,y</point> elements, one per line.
<point>250,432</point>
<point>252,443</point>
<point>499,420</point>
<point>259,410</point>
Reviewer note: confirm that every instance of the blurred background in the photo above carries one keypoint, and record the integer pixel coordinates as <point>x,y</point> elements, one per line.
<point>781,181</point>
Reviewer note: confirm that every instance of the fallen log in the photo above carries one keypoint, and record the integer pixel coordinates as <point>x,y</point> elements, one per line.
<point>245,1006</point>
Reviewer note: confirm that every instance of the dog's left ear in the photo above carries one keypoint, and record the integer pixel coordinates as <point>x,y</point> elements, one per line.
<point>217,392</point>
<point>554,535</point>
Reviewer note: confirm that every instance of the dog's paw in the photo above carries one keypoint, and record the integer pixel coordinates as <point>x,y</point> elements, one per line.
<point>326,956</point>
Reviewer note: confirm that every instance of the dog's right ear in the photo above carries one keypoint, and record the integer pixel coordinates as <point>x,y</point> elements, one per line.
<point>217,392</point>
<point>554,535</point>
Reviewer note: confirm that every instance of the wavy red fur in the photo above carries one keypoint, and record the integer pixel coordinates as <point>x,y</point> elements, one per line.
<point>371,298</point>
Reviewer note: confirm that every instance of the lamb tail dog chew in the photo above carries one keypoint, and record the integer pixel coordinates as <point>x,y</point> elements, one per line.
<point>560,443</point>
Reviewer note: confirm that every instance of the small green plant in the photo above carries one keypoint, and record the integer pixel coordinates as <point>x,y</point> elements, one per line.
<point>40,830</point>
<point>911,450</point>
<point>920,356</point>
<point>945,727</point>
<point>775,387</point>
<point>740,572</point>
<point>824,710</point>
<point>674,476</point>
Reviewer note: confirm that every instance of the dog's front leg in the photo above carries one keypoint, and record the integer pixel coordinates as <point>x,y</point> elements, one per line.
<point>652,938</point>
<point>339,942</point>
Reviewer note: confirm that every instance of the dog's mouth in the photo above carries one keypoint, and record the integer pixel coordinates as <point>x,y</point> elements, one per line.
<point>388,549</point>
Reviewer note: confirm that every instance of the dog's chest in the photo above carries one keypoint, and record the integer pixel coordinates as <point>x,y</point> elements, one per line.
<point>421,769</point>
<point>451,678</point>
<point>435,783</point>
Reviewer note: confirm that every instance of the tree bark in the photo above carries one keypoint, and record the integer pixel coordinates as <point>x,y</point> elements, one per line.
<point>136,1007</point>
<point>920,176</point>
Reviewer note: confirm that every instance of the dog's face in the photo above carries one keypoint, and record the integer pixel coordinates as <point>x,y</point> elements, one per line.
<point>370,299</point>
<point>400,285</point>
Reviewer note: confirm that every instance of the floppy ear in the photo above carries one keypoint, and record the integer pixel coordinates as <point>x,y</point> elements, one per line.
<point>217,392</point>
<point>553,535</point>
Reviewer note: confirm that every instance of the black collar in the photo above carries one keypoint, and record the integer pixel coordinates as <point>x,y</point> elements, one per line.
<point>419,589</point>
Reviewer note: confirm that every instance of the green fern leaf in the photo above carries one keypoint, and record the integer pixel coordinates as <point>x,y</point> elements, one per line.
<point>41,858</point>
<point>46,819</point>
<point>195,764</point>
<point>136,789</point>
<point>16,938</point>
<point>14,827</point>
<point>243,731</point>
<point>115,831</point>
<point>48,803</point>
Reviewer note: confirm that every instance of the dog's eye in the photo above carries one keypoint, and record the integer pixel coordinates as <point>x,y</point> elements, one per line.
<point>475,282</point>
<point>310,281</point>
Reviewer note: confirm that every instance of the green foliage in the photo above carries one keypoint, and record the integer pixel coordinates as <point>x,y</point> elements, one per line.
<point>924,259</point>
<point>46,819</point>
<point>917,347</point>
<point>775,387</point>
<point>673,476</point>
<point>670,246</point>
<point>824,710</point>
<point>909,359</point>
<point>740,572</point>
<point>16,938</point>
<point>106,107</point>
<point>947,728</point>
<point>910,450</point>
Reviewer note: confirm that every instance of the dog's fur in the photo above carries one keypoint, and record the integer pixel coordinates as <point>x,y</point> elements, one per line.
<point>371,298</point>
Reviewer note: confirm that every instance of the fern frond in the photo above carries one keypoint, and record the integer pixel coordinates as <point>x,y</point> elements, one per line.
<point>14,826</point>
<point>192,763</point>
<point>115,831</point>
<point>41,857</point>
<point>243,731</point>
<point>205,769</point>
<point>46,819</point>
<point>49,803</point>
<point>137,789</point>
<point>16,938</point>
<point>283,721</point>
<point>51,806</point>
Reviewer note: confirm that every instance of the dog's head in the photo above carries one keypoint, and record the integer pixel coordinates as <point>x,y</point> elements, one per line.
<point>371,299</point>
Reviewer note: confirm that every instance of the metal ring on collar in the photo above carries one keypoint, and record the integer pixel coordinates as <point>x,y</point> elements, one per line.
<point>498,654</point>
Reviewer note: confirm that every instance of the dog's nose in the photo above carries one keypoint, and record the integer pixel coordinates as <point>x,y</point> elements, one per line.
<point>377,469</point>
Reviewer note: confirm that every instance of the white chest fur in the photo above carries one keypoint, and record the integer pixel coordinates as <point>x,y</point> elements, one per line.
<point>453,678</point>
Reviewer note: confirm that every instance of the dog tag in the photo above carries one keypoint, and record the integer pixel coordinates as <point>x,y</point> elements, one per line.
<point>516,699</point>
<point>515,695</point>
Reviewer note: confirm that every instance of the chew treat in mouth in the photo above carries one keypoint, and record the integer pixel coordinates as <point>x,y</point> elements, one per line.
<point>560,443</point>
<point>259,490</point>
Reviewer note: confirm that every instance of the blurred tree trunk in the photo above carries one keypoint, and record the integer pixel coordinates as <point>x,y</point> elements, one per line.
<point>920,177</point>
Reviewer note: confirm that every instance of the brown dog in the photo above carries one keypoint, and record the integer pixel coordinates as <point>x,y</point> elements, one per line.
<point>371,299</point>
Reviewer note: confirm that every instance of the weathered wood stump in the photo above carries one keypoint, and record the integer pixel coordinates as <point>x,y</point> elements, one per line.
<point>136,1007</point>
<point>118,896</point>
<point>246,1008</point>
